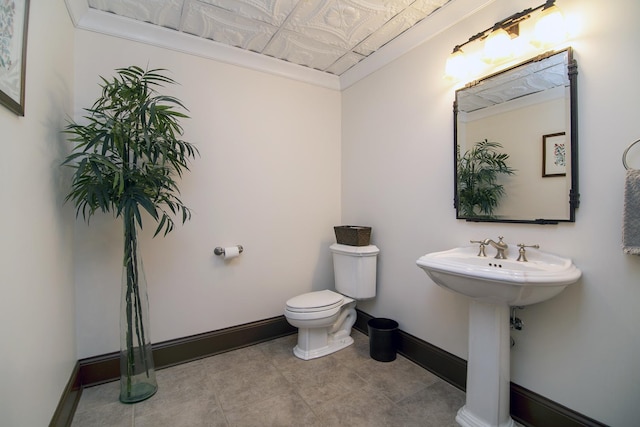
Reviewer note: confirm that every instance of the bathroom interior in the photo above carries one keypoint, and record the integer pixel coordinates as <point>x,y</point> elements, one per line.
<point>286,156</point>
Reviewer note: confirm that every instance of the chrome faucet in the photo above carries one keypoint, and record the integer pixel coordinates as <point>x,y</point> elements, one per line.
<point>500,246</point>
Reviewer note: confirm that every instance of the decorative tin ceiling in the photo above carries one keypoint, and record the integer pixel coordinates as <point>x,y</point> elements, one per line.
<point>326,35</point>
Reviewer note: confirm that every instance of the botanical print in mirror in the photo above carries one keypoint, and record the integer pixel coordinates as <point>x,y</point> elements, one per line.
<point>554,155</point>
<point>14,15</point>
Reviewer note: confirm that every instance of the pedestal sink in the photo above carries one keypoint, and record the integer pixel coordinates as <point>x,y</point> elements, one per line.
<point>494,285</point>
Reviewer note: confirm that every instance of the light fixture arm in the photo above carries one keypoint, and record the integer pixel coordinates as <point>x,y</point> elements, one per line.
<point>508,23</point>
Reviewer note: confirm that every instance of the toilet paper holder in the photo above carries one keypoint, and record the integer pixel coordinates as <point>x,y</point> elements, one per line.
<point>220,251</point>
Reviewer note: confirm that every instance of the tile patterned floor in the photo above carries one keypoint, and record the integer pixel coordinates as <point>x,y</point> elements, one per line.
<point>266,385</point>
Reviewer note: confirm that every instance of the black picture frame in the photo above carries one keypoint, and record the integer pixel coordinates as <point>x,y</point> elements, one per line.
<point>14,20</point>
<point>554,155</point>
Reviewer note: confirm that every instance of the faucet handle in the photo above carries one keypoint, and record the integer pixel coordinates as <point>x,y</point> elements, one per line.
<point>522,257</point>
<point>482,246</point>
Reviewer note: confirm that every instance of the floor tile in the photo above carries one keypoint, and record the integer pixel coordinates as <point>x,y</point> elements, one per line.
<point>282,409</point>
<point>200,411</point>
<point>247,383</point>
<point>100,395</point>
<point>436,405</point>
<point>178,387</point>
<point>280,350</point>
<point>397,379</point>
<point>322,379</point>
<point>266,385</point>
<point>233,359</point>
<point>364,409</point>
<point>111,414</point>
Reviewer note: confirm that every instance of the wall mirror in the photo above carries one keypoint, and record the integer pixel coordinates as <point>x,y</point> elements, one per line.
<point>516,143</point>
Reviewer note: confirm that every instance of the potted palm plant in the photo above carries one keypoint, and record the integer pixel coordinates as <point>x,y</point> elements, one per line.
<point>126,158</point>
<point>478,169</point>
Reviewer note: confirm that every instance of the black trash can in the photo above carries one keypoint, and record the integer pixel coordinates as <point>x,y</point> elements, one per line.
<point>383,339</point>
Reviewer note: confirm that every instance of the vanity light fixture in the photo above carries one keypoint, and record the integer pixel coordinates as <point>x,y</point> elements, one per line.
<point>501,41</point>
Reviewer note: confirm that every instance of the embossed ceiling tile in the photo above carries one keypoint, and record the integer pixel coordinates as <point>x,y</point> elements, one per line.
<point>328,35</point>
<point>399,24</point>
<point>344,63</point>
<point>428,6</point>
<point>343,23</point>
<point>270,11</point>
<point>395,5</point>
<point>225,27</point>
<point>160,12</point>
<point>300,50</point>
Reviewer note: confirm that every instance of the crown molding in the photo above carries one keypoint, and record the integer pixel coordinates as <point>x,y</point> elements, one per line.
<point>76,9</point>
<point>130,29</point>
<point>110,24</point>
<point>447,16</point>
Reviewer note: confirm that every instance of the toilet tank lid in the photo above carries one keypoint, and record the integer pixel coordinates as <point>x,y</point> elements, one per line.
<point>355,250</point>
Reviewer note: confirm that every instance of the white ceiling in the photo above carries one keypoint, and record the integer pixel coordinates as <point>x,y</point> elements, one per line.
<point>327,35</point>
<point>311,40</point>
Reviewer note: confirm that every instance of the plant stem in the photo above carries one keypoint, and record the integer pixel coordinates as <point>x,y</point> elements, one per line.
<point>134,313</point>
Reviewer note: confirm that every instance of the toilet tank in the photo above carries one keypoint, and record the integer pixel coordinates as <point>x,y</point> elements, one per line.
<point>354,268</point>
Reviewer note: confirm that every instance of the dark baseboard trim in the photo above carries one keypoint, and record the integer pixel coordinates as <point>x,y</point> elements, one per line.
<point>101,369</point>
<point>105,368</point>
<point>532,409</point>
<point>527,407</point>
<point>69,400</point>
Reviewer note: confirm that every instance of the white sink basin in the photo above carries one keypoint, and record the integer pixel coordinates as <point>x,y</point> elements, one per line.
<point>500,281</point>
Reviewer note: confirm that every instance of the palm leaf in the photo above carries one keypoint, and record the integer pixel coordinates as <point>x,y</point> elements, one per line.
<point>478,171</point>
<point>129,150</point>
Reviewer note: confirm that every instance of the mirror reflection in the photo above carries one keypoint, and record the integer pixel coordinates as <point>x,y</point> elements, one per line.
<point>516,143</point>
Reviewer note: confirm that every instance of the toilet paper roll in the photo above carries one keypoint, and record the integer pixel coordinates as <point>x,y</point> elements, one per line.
<point>231,252</point>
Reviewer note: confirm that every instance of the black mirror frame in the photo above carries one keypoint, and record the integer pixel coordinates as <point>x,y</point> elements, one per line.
<point>574,194</point>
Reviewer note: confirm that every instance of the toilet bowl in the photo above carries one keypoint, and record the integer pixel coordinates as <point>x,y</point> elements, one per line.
<point>324,318</point>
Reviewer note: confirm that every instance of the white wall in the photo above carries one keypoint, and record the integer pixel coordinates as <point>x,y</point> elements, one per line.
<point>268,178</point>
<point>37,312</point>
<point>579,349</point>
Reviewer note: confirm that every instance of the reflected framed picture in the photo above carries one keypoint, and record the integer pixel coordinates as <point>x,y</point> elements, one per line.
<point>14,18</point>
<point>554,155</point>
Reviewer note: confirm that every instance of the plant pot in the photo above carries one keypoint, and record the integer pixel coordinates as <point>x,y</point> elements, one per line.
<point>137,372</point>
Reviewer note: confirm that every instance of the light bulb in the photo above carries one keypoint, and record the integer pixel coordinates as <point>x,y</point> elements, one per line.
<point>497,46</point>
<point>550,28</point>
<point>455,66</point>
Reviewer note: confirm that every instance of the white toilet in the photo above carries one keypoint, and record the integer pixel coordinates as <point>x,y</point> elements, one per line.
<point>324,318</point>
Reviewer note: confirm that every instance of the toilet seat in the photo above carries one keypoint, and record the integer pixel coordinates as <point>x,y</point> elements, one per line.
<point>313,302</point>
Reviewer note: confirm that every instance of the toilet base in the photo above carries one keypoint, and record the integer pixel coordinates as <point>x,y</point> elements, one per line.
<point>324,335</point>
<point>333,346</point>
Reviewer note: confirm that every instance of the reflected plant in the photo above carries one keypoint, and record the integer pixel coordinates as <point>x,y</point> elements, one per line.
<point>478,169</point>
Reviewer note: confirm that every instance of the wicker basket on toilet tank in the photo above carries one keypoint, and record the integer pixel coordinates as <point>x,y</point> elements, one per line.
<point>353,235</point>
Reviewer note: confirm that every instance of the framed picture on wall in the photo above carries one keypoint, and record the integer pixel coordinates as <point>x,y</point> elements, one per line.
<point>14,18</point>
<point>554,155</point>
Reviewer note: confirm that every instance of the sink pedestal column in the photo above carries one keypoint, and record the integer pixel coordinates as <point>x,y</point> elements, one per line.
<point>488,375</point>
